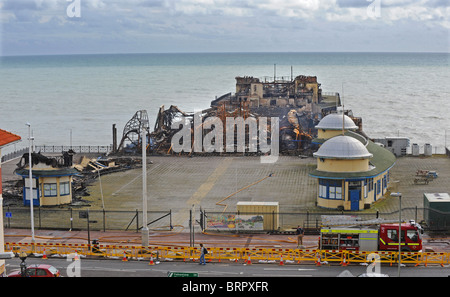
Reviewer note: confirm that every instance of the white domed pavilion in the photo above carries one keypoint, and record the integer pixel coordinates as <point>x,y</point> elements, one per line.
<point>352,171</point>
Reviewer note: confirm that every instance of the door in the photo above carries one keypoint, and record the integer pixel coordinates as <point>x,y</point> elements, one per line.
<point>354,199</point>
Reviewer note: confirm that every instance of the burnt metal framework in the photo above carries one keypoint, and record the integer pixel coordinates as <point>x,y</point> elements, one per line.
<point>132,131</point>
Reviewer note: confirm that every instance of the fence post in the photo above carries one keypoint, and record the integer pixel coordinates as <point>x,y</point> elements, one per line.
<point>237,229</point>
<point>104,220</point>
<point>137,221</point>
<point>9,222</point>
<point>307,219</point>
<point>71,218</point>
<point>40,227</point>
<point>273,221</point>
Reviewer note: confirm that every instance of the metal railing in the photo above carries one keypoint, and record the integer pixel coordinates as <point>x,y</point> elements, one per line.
<point>83,219</point>
<point>75,148</point>
<point>72,218</point>
<point>279,256</point>
<point>13,155</point>
<point>103,149</point>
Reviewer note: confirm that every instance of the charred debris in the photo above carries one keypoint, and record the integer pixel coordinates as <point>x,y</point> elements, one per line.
<point>87,168</point>
<point>299,104</point>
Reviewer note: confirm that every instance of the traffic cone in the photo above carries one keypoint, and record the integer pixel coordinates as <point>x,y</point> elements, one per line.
<point>44,256</point>
<point>249,262</point>
<point>76,257</point>
<point>124,257</point>
<point>318,260</point>
<point>281,260</point>
<point>344,262</point>
<point>151,261</point>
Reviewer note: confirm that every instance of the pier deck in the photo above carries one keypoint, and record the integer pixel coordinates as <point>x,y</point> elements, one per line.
<point>178,183</point>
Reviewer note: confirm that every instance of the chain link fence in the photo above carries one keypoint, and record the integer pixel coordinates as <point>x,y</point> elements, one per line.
<point>311,221</point>
<point>102,220</point>
<point>77,219</point>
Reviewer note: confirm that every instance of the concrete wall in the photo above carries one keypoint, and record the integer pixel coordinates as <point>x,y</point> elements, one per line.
<point>327,134</point>
<point>335,165</point>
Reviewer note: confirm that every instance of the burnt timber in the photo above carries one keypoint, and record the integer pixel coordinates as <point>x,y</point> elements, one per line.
<point>299,104</point>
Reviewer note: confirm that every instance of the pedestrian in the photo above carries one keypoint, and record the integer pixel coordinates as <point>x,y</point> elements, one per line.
<point>300,232</point>
<point>203,252</point>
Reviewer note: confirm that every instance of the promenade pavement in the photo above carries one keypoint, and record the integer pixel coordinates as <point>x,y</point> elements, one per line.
<point>433,243</point>
<point>178,183</point>
<point>169,238</point>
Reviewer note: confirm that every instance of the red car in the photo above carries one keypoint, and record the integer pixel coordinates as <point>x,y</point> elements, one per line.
<point>38,270</point>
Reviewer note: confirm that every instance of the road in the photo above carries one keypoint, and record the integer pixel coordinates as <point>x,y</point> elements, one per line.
<point>118,268</point>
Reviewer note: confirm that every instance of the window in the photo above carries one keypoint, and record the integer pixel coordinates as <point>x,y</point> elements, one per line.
<point>370,184</point>
<point>332,192</point>
<point>412,235</point>
<point>330,189</point>
<point>322,191</point>
<point>50,190</point>
<point>64,188</point>
<point>366,188</point>
<point>41,272</point>
<point>31,271</point>
<point>338,192</point>
<point>392,235</point>
<point>378,187</point>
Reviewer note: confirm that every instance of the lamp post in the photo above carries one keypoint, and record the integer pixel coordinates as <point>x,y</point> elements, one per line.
<point>30,176</point>
<point>399,195</point>
<point>23,265</point>
<point>145,235</point>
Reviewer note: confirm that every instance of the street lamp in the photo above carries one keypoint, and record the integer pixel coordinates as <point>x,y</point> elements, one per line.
<point>23,265</point>
<point>145,235</point>
<point>399,195</point>
<point>30,176</point>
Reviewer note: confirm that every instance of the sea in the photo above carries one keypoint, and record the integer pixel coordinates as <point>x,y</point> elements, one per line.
<point>75,99</point>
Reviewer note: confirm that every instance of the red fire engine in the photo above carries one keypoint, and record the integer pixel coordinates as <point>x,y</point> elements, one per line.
<point>381,237</point>
<point>410,237</point>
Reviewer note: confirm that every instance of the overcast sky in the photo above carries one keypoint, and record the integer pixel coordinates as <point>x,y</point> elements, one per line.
<point>156,26</point>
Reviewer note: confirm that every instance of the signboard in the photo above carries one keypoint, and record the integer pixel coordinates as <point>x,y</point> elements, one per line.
<point>8,214</point>
<point>28,196</point>
<point>182,274</point>
<point>83,214</point>
<point>235,222</point>
<point>250,222</point>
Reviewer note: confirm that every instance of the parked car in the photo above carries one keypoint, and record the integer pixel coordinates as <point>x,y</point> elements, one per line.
<point>38,270</point>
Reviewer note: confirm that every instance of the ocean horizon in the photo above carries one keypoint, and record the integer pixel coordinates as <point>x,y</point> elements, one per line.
<point>76,98</point>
